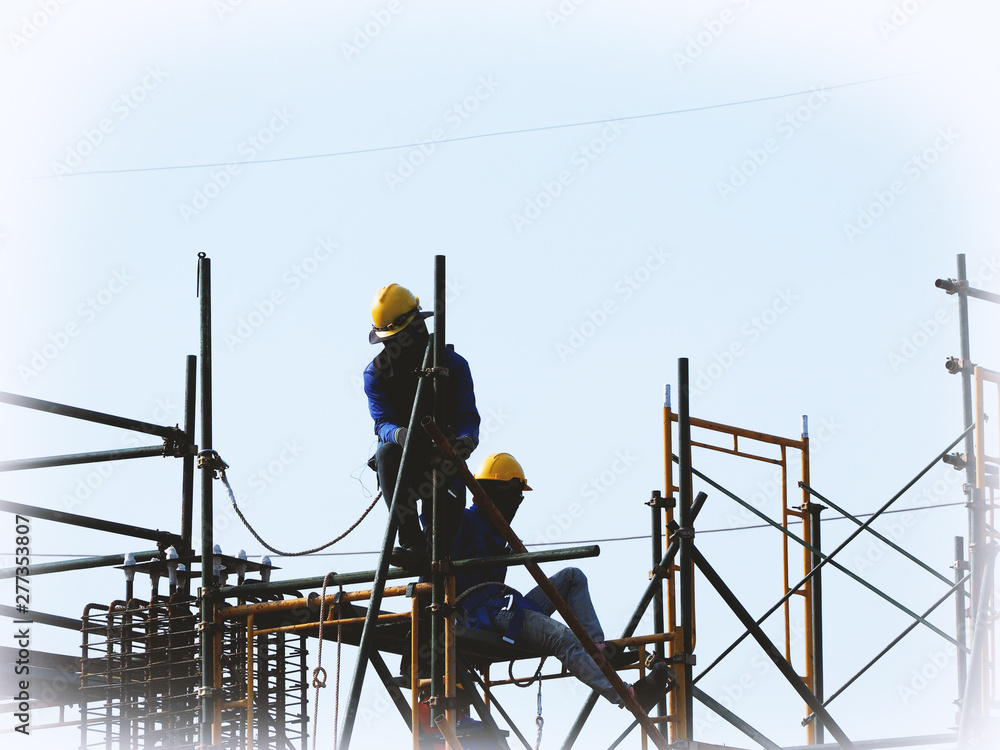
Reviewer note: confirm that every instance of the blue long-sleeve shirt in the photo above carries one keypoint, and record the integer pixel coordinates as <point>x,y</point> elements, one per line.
<point>390,399</point>
<point>477,538</point>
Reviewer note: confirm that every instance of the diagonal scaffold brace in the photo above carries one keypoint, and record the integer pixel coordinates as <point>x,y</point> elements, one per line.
<point>483,500</point>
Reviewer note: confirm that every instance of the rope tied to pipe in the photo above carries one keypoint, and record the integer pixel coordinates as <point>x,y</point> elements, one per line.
<point>318,681</point>
<point>211,460</point>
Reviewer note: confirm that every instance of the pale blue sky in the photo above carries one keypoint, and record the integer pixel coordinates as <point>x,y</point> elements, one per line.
<point>769,189</point>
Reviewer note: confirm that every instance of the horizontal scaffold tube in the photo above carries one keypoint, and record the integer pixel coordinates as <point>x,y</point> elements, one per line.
<point>367,576</point>
<point>91,416</point>
<point>72,459</point>
<point>82,563</point>
<point>100,524</point>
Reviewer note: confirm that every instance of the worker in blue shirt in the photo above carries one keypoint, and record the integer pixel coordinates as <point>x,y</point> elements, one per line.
<point>390,382</point>
<point>526,621</point>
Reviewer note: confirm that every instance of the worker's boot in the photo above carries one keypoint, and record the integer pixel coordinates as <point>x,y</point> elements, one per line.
<point>653,686</point>
<point>619,657</point>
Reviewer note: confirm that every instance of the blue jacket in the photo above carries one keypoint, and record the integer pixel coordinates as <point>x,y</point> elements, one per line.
<point>390,399</point>
<point>477,538</point>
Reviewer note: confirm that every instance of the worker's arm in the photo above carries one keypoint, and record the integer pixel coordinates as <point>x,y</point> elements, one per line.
<point>385,417</point>
<point>465,416</point>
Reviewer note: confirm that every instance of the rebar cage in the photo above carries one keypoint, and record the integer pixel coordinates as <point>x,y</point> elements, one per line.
<point>141,671</point>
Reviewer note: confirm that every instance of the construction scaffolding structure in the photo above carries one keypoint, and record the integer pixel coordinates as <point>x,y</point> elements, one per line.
<point>227,666</point>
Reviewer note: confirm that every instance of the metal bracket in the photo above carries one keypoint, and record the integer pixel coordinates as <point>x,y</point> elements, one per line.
<point>954,365</point>
<point>208,627</point>
<point>411,589</point>
<point>685,533</point>
<point>430,372</point>
<point>952,286</point>
<point>440,701</point>
<point>209,459</point>
<point>657,500</point>
<point>683,659</point>
<point>208,592</point>
<point>441,608</point>
<point>958,460</point>
<point>209,692</point>
<point>442,566</point>
<point>659,571</point>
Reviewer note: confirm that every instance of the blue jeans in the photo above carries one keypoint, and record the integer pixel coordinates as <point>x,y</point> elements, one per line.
<point>540,632</point>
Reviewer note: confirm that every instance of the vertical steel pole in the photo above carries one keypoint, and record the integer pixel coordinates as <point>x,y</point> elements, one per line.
<point>976,531</point>
<point>816,608</point>
<point>382,569</point>
<point>685,535</point>
<point>960,614</point>
<point>656,505</point>
<point>438,625</point>
<point>187,480</point>
<point>208,686</point>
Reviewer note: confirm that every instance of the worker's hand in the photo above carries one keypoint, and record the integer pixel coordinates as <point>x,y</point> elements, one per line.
<point>399,435</point>
<point>464,446</point>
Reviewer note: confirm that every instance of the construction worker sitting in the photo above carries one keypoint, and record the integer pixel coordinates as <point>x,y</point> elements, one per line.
<point>526,620</point>
<point>390,382</point>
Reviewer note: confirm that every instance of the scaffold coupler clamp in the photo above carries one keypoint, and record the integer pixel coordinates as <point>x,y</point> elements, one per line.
<point>177,446</point>
<point>449,703</point>
<point>211,460</point>
<point>209,628</point>
<point>657,500</point>
<point>441,608</point>
<point>442,566</point>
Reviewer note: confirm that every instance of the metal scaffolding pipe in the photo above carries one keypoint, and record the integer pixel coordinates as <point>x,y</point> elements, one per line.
<point>816,612</point>
<point>733,719</point>
<point>769,648</point>
<point>960,632</point>
<point>134,425</point>
<point>470,679</point>
<point>685,535</point>
<point>659,572</point>
<point>208,692</point>
<point>440,631</point>
<point>904,742</point>
<point>382,571</point>
<point>886,650</point>
<point>882,538</point>
<point>569,617</point>
<point>99,524</point>
<point>656,543</point>
<point>72,459</point>
<point>828,558</point>
<point>975,707</point>
<point>983,294</point>
<point>187,475</point>
<point>42,618</point>
<point>248,590</point>
<point>82,563</point>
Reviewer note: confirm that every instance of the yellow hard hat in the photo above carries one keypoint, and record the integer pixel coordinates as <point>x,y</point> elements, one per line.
<point>501,467</point>
<point>393,308</point>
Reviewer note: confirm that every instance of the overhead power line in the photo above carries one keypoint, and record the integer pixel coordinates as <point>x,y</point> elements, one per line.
<point>578,542</point>
<point>496,134</point>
